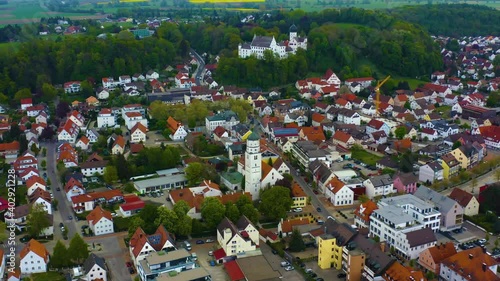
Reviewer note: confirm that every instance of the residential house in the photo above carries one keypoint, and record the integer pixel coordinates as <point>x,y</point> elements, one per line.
<point>450,165</point>
<point>469,203</point>
<point>141,245</point>
<point>226,119</point>
<point>33,258</point>
<point>14,275</point>
<point>41,118</point>
<point>106,118</point>
<point>72,87</point>
<point>95,268</point>
<point>491,135</point>
<point>93,101</point>
<point>368,109</point>
<point>468,155</point>
<point>73,188</point>
<point>429,134</point>
<point>118,145</point>
<point>431,258</point>
<point>335,237</point>
<point>138,133</point>
<point>68,132</point>
<point>314,134</point>
<point>405,182</point>
<point>379,186</point>
<point>339,193</point>
<point>42,198</point>
<point>363,212</point>
<point>343,139</point>
<point>34,183</point>
<point>471,264</point>
<point>237,239</point>
<point>348,116</point>
<point>177,130</point>
<point>159,265</point>
<point>414,242</point>
<point>68,155</point>
<point>102,93</point>
<point>25,103</point>
<point>398,272</point>
<point>133,205</point>
<point>83,143</point>
<point>92,135</point>
<point>379,137</point>
<point>133,117</point>
<point>100,221</point>
<point>431,172</point>
<point>27,160</point>
<point>452,214</point>
<point>299,197</point>
<point>150,75</point>
<point>376,125</point>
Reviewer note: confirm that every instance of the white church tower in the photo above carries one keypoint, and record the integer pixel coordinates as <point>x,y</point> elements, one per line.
<point>253,166</point>
<point>292,32</point>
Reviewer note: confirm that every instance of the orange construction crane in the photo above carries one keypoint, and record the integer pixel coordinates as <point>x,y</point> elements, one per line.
<point>377,92</point>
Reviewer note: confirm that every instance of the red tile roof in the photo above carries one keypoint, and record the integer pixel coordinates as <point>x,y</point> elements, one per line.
<point>11,146</point>
<point>364,210</point>
<point>97,214</point>
<point>139,126</point>
<point>37,248</point>
<point>288,225</point>
<point>462,197</point>
<point>219,254</point>
<point>341,136</point>
<point>234,271</point>
<point>441,252</point>
<point>469,265</point>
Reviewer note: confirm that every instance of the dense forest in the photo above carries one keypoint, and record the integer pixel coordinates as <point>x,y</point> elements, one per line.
<point>452,20</point>
<point>366,42</point>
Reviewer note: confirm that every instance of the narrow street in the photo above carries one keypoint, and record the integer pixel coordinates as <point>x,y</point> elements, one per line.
<point>64,207</point>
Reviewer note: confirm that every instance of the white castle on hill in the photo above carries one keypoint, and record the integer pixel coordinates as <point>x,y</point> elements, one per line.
<point>260,44</point>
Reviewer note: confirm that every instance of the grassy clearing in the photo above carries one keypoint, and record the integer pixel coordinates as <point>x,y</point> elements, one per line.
<point>444,110</point>
<point>366,157</point>
<point>412,82</point>
<point>224,1</point>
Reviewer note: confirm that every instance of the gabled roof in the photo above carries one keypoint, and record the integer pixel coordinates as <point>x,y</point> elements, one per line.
<point>342,232</point>
<point>173,124</point>
<point>288,225</point>
<point>341,136</point>
<point>35,179</point>
<point>444,203</point>
<point>376,124</point>
<point>364,210</point>
<point>397,272</point>
<point>92,260</point>
<point>139,126</point>
<point>35,247</point>
<point>120,141</point>
<point>442,251</point>
<point>97,214</point>
<point>420,237</point>
<point>469,265</point>
<point>297,190</point>
<point>461,196</point>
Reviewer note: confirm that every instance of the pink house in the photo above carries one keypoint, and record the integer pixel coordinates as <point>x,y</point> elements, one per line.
<point>405,182</point>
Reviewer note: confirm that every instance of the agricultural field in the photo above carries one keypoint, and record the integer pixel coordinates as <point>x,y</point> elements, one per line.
<point>224,1</point>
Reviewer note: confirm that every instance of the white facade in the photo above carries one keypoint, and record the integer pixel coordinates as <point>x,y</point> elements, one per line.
<point>132,118</point>
<point>103,226</point>
<point>137,136</point>
<point>74,191</point>
<point>354,119</point>
<point>47,206</point>
<point>379,186</point>
<point>179,134</point>
<point>253,166</point>
<point>343,197</point>
<point>96,272</point>
<point>105,120</point>
<point>260,44</point>
<point>32,263</point>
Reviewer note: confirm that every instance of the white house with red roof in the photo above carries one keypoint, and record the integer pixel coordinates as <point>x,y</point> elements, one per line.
<point>178,132</point>
<point>100,221</point>
<point>138,133</point>
<point>106,118</point>
<point>72,87</point>
<point>363,82</point>
<point>141,244</point>
<point>43,198</point>
<point>440,90</point>
<point>33,111</point>
<point>132,205</point>
<point>28,173</point>
<point>68,132</point>
<point>118,146</point>
<point>34,183</point>
<point>77,118</point>
<point>25,103</point>
<point>83,143</point>
<point>24,162</point>
<point>68,155</point>
<point>475,99</point>
<point>33,258</point>
<point>331,78</point>
<point>73,188</point>
<point>109,83</point>
<point>83,203</point>
<point>491,136</point>
<point>429,133</point>
<point>41,118</point>
<point>376,125</point>
<point>132,118</point>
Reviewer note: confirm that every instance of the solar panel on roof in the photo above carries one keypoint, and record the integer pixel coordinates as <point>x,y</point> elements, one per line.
<point>154,239</point>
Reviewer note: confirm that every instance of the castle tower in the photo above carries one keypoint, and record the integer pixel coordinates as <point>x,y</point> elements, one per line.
<point>293,32</point>
<point>253,166</point>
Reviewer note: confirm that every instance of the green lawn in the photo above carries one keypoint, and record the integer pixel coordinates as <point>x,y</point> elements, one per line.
<point>444,110</point>
<point>412,82</point>
<point>47,276</point>
<point>365,157</point>
<point>9,47</point>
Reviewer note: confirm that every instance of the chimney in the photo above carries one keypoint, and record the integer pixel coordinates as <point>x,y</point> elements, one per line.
<point>471,256</point>
<point>484,267</point>
<point>382,246</point>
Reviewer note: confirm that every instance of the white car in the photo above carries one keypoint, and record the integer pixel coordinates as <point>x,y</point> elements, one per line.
<point>297,210</point>
<point>210,253</point>
<point>289,268</point>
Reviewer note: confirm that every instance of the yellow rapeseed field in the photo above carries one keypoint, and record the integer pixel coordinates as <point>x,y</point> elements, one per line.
<point>224,1</point>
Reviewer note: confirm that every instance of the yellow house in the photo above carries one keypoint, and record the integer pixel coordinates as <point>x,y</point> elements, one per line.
<point>331,243</point>
<point>299,196</point>
<point>450,165</point>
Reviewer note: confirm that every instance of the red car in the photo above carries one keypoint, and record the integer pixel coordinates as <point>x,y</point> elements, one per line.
<point>129,264</point>
<point>315,191</point>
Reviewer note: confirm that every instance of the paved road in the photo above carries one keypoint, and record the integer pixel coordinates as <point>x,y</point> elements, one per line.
<point>64,207</point>
<point>200,69</point>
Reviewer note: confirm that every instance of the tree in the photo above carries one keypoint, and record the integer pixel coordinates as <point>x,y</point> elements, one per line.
<point>275,202</point>
<point>250,212</point>
<point>456,145</point>
<point>168,218</point>
<point>184,226</point>
<point>62,109</point>
<point>110,174</point>
<point>400,132</point>
<point>296,242</point>
<point>181,208</point>
<point>44,163</point>
<point>125,35</point>
<point>363,198</point>
<point>79,249</point>
<point>49,92</point>
<point>22,94</point>
<point>194,173</point>
<point>60,257</point>
<point>212,211</point>
<point>149,214</point>
<point>232,212</point>
<point>134,224</point>
<point>37,220</point>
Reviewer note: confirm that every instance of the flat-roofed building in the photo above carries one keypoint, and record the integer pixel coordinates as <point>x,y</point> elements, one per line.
<point>157,263</point>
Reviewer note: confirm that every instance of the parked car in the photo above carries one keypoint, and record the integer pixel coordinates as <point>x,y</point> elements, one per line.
<point>318,209</point>
<point>285,264</point>
<point>129,264</point>
<point>210,253</point>
<point>289,268</point>
<point>209,240</point>
<point>315,191</point>
<point>70,217</point>
<point>25,239</point>
<point>187,245</point>
<point>61,224</point>
<point>200,242</point>
<point>58,189</point>
<point>297,210</point>
<point>341,275</point>
<point>194,256</point>
<point>131,270</point>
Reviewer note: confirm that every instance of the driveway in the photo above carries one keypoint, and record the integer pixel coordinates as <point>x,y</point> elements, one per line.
<point>113,249</point>
<point>275,262</point>
<point>217,272</point>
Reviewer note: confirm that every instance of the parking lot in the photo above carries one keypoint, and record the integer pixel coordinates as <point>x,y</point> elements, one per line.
<point>217,272</point>
<point>358,168</point>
